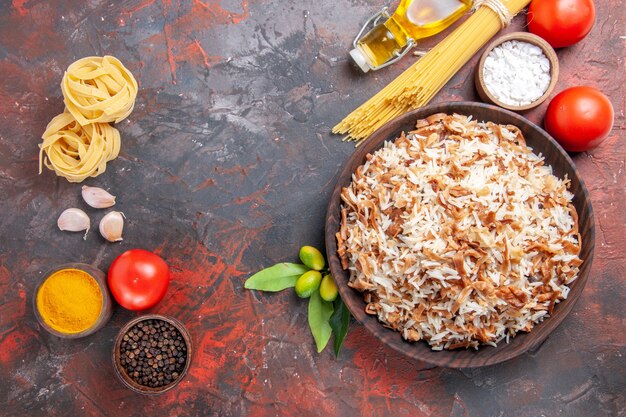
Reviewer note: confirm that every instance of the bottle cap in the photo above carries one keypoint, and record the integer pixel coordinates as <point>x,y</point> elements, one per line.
<point>360,59</point>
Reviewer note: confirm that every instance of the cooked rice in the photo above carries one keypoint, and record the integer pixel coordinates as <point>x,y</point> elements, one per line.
<point>458,234</point>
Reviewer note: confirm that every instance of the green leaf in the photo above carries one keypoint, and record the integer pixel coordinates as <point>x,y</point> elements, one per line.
<point>276,278</point>
<point>319,313</point>
<point>339,322</point>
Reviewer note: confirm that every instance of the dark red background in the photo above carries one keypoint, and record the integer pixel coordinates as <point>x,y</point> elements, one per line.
<point>226,166</point>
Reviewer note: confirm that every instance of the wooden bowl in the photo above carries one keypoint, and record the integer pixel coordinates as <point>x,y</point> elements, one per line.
<point>561,164</point>
<point>119,369</point>
<point>107,303</point>
<point>548,51</point>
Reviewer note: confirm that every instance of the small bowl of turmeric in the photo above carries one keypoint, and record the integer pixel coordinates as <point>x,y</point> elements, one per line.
<point>72,301</point>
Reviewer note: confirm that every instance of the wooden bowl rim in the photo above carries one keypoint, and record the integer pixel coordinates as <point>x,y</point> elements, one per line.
<point>548,51</point>
<point>121,373</point>
<point>107,304</point>
<point>457,358</point>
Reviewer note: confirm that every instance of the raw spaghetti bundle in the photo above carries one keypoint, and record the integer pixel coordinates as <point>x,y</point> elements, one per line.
<point>79,142</point>
<point>99,90</point>
<point>417,85</point>
<point>77,152</point>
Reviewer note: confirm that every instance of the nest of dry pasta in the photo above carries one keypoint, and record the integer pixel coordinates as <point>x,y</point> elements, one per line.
<point>457,234</point>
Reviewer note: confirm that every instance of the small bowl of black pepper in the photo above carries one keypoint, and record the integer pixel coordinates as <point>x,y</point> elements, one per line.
<point>152,354</point>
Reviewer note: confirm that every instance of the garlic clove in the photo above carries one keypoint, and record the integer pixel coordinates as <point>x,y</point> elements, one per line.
<point>111,226</point>
<point>74,220</point>
<point>97,197</point>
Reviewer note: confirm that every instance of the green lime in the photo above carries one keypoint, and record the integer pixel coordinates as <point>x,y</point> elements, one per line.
<point>328,288</point>
<point>312,258</point>
<point>308,283</point>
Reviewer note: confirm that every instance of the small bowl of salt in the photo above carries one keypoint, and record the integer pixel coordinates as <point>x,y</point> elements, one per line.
<point>517,71</point>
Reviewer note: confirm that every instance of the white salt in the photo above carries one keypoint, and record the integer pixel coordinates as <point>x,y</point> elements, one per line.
<point>516,73</point>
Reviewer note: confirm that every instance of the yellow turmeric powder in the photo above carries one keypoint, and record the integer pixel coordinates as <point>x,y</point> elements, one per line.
<point>70,301</point>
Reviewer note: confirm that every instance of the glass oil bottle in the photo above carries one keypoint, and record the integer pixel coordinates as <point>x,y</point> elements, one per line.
<point>390,40</point>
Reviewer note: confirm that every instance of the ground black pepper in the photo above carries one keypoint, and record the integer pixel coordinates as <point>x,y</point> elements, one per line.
<point>153,353</point>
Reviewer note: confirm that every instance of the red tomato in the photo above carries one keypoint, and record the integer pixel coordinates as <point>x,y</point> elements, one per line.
<point>561,22</point>
<point>138,279</point>
<point>579,118</point>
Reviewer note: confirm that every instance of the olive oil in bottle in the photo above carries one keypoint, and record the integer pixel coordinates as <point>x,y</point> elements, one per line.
<point>390,40</point>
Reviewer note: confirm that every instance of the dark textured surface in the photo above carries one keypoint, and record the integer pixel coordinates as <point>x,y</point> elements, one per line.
<point>554,156</point>
<point>226,167</point>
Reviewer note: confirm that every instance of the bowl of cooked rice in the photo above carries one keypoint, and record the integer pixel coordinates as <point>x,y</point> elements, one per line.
<point>460,234</point>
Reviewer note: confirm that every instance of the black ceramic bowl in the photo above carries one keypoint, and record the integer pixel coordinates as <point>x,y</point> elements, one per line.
<point>561,164</point>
